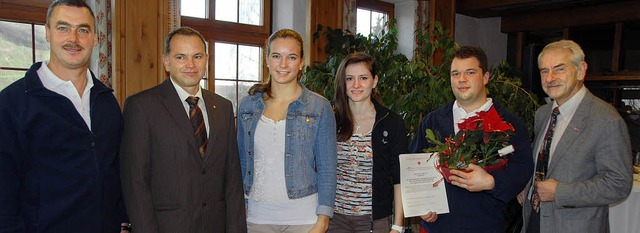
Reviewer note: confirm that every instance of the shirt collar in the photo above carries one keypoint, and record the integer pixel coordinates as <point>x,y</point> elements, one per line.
<point>459,113</point>
<point>51,81</point>
<point>485,107</point>
<point>569,107</point>
<point>184,94</point>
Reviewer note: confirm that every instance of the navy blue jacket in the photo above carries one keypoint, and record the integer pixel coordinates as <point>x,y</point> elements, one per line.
<point>56,175</point>
<point>484,211</point>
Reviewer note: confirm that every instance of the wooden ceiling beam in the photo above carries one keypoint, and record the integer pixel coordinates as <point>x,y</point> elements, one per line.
<point>479,5</point>
<point>590,15</point>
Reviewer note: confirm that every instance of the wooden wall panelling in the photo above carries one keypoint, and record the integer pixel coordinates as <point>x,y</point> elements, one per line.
<point>328,14</point>
<point>519,48</point>
<point>139,37</point>
<point>566,32</point>
<point>443,11</point>
<point>617,41</point>
<point>32,11</point>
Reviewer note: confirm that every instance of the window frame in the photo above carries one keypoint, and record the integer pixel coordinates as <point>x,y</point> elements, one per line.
<point>26,11</point>
<point>33,12</point>
<point>32,26</point>
<point>377,6</point>
<point>233,33</point>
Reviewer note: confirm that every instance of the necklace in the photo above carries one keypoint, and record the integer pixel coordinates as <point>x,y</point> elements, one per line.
<point>369,114</point>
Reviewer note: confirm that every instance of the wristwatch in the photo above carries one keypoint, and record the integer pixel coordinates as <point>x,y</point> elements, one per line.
<point>125,227</point>
<point>397,228</point>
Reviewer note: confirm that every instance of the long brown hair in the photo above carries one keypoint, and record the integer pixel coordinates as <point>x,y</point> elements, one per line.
<point>265,87</point>
<point>341,109</point>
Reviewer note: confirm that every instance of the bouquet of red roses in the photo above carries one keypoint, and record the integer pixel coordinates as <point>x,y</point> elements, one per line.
<point>482,140</point>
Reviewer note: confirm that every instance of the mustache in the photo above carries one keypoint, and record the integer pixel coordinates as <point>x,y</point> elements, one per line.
<point>72,46</point>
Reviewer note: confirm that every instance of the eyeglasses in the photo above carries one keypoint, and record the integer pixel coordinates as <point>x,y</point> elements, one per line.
<point>556,70</point>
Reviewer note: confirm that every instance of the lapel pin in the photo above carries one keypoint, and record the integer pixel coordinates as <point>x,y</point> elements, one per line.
<point>307,120</point>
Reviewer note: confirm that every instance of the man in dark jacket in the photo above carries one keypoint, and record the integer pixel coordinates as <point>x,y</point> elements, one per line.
<point>477,199</point>
<point>180,163</point>
<point>60,131</point>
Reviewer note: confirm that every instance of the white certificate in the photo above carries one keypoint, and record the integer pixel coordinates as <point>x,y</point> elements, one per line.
<point>422,185</point>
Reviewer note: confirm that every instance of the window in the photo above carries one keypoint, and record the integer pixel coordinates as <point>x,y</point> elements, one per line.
<point>194,8</point>
<point>237,29</point>
<point>238,67</point>
<point>245,12</point>
<point>370,22</point>
<point>21,44</point>
<point>372,16</point>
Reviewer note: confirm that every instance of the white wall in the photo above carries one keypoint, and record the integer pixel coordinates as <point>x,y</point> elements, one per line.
<point>405,14</point>
<point>289,14</point>
<point>292,14</point>
<point>484,33</point>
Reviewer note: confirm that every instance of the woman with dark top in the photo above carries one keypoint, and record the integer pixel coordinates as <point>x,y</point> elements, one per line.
<point>370,138</point>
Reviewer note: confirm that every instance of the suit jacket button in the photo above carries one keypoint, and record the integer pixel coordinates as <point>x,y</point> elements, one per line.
<point>204,204</point>
<point>204,172</point>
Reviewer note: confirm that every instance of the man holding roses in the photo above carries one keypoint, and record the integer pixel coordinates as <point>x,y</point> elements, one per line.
<point>477,198</point>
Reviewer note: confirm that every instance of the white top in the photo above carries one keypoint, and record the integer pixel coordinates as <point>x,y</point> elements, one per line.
<point>268,202</point>
<point>183,96</point>
<point>459,114</point>
<point>66,89</point>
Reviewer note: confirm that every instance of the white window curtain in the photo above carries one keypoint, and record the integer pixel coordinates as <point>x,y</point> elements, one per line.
<point>350,13</point>
<point>101,57</point>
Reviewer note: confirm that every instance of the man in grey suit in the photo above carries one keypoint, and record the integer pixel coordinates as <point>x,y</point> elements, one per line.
<point>582,150</point>
<point>179,158</point>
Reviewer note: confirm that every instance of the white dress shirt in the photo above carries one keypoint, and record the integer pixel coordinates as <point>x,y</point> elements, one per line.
<point>184,95</point>
<point>567,110</point>
<point>460,114</point>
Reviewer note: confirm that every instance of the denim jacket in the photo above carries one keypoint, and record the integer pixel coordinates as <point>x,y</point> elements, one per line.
<point>310,147</point>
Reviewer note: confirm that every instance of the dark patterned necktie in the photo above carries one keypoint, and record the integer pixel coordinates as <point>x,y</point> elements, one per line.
<point>543,158</point>
<point>197,122</point>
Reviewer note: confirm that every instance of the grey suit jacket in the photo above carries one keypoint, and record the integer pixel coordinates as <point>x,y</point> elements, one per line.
<point>167,186</point>
<point>592,164</point>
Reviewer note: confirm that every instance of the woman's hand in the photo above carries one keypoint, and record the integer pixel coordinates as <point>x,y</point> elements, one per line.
<point>322,224</point>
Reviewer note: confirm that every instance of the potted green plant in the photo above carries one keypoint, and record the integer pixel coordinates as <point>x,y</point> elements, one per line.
<point>414,87</point>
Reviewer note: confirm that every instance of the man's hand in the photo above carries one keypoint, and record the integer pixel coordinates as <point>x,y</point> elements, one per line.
<point>430,217</point>
<point>547,189</point>
<point>474,179</point>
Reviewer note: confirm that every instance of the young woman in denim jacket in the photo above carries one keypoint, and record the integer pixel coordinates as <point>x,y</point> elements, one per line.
<point>286,142</point>
<point>370,138</point>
